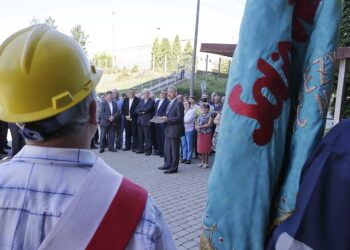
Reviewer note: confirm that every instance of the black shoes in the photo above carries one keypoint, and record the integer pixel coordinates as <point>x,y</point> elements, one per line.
<point>188,162</point>
<point>170,171</point>
<point>112,150</point>
<point>156,153</point>
<point>102,151</point>
<point>183,161</point>
<point>7,147</point>
<point>126,149</point>
<point>140,152</point>
<point>148,153</point>
<point>163,168</point>
<point>94,147</point>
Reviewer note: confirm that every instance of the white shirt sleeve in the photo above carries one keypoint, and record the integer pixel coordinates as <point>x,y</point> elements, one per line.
<point>152,232</point>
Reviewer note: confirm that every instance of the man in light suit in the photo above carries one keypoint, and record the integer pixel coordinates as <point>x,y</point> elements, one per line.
<point>129,112</point>
<point>160,110</point>
<point>174,129</point>
<point>108,114</point>
<point>145,111</point>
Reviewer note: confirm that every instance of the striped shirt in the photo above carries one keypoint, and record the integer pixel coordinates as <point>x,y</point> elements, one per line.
<point>37,186</point>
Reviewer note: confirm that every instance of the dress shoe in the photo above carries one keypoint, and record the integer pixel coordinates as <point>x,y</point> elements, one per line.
<point>140,152</point>
<point>126,149</point>
<point>156,153</point>
<point>161,155</point>
<point>148,153</point>
<point>183,161</point>
<point>119,148</point>
<point>170,171</point>
<point>94,147</point>
<point>188,162</point>
<point>163,168</point>
<point>102,151</point>
<point>112,150</point>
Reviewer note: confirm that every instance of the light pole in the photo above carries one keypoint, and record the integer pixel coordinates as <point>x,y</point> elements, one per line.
<point>195,49</point>
<point>113,37</point>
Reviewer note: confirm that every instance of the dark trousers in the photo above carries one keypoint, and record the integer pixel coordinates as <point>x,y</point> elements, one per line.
<point>96,137</point>
<point>154,137</point>
<point>119,133</point>
<point>17,139</point>
<point>195,143</point>
<point>110,133</point>
<point>145,138</point>
<point>160,136</point>
<point>171,153</point>
<point>3,134</point>
<point>131,135</point>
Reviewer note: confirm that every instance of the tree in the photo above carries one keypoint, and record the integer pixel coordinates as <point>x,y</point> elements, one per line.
<point>156,54</point>
<point>78,34</point>
<point>344,41</point>
<point>345,26</point>
<point>51,22</point>
<point>176,55</point>
<point>188,53</point>
<point>165,54</point>
<point>225,64</point>
<point>103,60</point>
<point>34,20</point>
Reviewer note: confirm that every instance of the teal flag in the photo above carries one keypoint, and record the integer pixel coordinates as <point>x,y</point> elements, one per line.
<point>278,94</point>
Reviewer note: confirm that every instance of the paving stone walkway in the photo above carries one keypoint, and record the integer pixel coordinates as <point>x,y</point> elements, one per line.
<point>181,197</point>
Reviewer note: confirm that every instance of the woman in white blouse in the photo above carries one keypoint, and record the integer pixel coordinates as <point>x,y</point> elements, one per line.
<point>187,139</point>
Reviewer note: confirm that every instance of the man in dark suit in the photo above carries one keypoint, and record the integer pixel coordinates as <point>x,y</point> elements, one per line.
<point>174,129</point>
<point>145,111</point>
<point>119,121</point>
<point>160,110</point>
<point>129,112</point>
<point>108,114</point>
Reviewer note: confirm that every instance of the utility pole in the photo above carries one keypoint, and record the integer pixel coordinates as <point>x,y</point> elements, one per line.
<point>195,50</point>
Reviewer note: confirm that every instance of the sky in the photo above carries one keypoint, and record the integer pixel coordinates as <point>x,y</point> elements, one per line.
<point>135,22</point>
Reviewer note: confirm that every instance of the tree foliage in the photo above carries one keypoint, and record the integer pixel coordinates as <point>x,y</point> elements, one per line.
<point>34,20</point>
<point>51,22</point>
<point>103,60</point>
<point>78,34</point>
<point>345,26</point>
<point>225,64</point>
<point>344,41</point>
<point>48,20</point>
<point>165,53</point>
<point>176,54</point>
<point>156,54</point>
<point>188,53</point>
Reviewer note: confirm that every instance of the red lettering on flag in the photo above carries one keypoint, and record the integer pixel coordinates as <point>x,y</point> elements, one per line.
<point>304,12</point>
<point>264,111</point>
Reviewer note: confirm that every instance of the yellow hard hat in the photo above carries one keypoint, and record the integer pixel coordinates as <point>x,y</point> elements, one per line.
<point>42,73</point>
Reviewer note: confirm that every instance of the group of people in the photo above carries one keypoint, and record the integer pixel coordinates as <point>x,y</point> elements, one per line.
<point>129,122</point>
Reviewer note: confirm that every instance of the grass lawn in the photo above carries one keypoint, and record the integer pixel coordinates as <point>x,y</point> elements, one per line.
<point>214,84</point>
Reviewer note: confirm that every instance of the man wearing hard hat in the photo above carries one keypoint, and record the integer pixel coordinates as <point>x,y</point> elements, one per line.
<point>55,193</point>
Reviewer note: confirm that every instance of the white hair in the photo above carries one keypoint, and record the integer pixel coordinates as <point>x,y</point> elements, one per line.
<point>173,87</point>
<point>146,90</point>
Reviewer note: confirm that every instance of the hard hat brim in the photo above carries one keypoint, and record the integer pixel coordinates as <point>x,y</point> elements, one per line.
<point>50,112</point>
